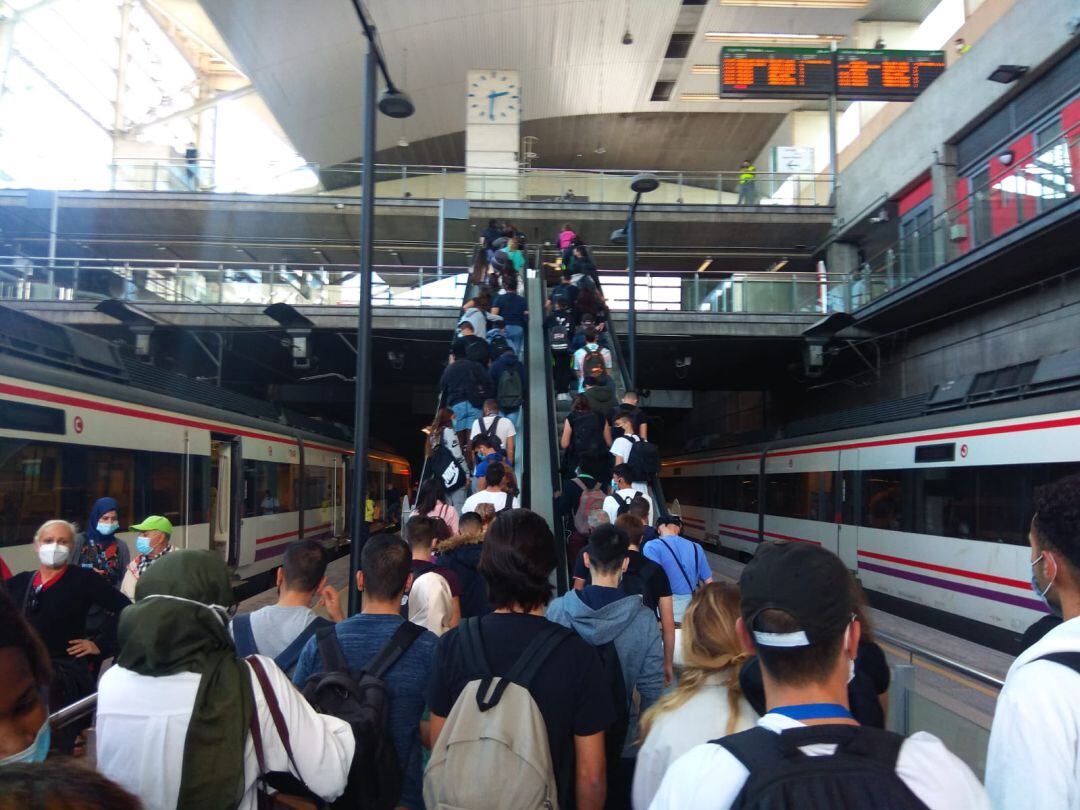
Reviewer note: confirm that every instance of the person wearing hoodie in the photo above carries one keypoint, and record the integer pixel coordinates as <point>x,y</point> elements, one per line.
<point>601,613</point>
<point>1034,733</point>
<point>97,548</point>
<point>601,396</point>
<point>461,554</point>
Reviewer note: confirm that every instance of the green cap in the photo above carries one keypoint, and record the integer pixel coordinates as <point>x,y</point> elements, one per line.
<point>154,523</point>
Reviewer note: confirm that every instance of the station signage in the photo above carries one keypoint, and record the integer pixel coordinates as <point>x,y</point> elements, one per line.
<point>867,75</point>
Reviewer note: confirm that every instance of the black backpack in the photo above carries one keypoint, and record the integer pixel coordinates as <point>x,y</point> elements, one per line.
<point>479,387</point>
<point>624,503</point>
<point>615,734</point>
<point>490,434</point>
<point>478,350</point>
<point>644,459</point>
<point>562,333</point>
<point>443,465</point>
<point>860,774</point>
<point>376,776</point>
<point>587,437</point>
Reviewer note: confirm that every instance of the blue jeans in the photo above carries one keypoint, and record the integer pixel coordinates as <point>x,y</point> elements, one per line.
<point>515,336</point>
<point>465,414</point>
<point>513,416</point>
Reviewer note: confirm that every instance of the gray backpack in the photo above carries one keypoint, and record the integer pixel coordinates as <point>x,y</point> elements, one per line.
<point>496,724</point>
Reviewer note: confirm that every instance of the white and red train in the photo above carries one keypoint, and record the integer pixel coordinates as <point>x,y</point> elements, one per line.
<point>242,485</point>
<point>932,513</point>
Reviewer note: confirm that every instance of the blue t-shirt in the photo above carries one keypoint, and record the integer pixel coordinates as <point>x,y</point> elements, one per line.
<point>482,465</point>
<point>361,638</point>
<point>673,551</point>
<point>511,308</point>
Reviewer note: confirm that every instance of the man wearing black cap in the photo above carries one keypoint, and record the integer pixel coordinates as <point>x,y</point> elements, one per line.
<point>798,617</point>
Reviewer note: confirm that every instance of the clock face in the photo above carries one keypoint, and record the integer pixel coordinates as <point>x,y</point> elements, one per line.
<point>493,97</point>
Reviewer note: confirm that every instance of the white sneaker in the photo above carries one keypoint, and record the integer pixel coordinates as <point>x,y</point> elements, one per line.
<point>563,397</point>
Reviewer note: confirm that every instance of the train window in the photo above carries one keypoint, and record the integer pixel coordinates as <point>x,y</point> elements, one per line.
<point>199,489</point>
<point>688,491</point>
<point>807,496</point>
<point>159,486</point>
<point>34,418</point>
<point>270,488</point>
<point>738,493</point>
<point>883,493</point>
<point>29,488</point>
<point>317,487</point>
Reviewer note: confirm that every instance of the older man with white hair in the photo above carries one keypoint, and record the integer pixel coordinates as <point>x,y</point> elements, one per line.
<point>56,599</point>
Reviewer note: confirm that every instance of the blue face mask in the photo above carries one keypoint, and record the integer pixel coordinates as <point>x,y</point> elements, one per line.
<point>142,544</point>
<point>1041,592</point>
<point>38,750</point>
<point>107,528</point>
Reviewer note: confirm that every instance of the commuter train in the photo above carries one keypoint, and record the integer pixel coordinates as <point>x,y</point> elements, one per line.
<point>931,513</point>
<point>79,421</point>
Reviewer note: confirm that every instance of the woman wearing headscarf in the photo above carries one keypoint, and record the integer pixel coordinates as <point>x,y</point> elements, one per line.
<point>178,695</point>
<point>97,547</point>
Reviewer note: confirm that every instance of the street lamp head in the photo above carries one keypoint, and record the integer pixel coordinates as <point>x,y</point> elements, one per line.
<point>644,183</point>
<point>396,104</point>
<point>618,236</point>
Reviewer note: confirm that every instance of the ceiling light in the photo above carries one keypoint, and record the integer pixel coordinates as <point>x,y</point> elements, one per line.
<point>627,38</point>
<point>402,141</point>
<point>704,265</point>
<point>773,38</point>
<point>777,265</point>
<point>600,150</point>
<point>798,3</point>
<point>1007,74</point>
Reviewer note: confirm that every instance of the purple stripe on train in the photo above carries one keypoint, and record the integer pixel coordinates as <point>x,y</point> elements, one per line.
<point>279,549</point>
<point>959,587</point>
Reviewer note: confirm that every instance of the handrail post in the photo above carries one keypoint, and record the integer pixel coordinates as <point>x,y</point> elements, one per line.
<point>903,684</point>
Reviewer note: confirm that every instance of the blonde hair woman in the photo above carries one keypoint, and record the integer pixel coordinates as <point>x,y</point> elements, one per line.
<point>707,703</point>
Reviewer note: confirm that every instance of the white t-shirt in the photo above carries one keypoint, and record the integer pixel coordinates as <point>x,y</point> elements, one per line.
<point>1032,760</point>
<point>709,777</point>
<point>142,724</point>
<point>496,499</point>
<point>504,428</point>
<point>611,506</point>
<point>621,447</point>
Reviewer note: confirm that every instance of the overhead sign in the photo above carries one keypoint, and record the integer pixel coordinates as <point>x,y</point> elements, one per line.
<point>794,159</point>
<point>886,75</point>
<point>872,75</point>
<point>780,72</point>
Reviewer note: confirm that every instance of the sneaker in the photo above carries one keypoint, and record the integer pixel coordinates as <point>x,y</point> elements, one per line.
<point>563,398</point>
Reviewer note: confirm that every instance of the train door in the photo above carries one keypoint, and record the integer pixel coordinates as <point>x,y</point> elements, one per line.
<point>847,530</point>
<point>225,515</point>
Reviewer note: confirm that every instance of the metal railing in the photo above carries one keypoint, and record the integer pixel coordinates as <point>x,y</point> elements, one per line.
<point>1027,188</point>
<point>76,711</point>
<point>327,284</point>
<point>404,181</point>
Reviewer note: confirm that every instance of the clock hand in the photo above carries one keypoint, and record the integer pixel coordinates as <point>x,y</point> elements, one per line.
<point>496,95</point>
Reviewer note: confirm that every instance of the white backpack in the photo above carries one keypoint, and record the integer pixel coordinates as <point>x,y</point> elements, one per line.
<point>496,728</point>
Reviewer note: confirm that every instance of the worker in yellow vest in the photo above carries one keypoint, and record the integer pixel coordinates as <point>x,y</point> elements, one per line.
<point>747,192</point>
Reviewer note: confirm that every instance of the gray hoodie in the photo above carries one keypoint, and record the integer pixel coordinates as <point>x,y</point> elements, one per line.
<point>633,629</point>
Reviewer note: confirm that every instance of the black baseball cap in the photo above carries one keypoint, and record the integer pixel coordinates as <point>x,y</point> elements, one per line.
<point>805,581</point>
<point>675,520</point>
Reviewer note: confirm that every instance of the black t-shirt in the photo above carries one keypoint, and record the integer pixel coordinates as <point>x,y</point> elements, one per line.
<point>58,612</point>
<point>570,689</point>
<point>642,576</point>
<point>635,413</point>
<point>512,308</point>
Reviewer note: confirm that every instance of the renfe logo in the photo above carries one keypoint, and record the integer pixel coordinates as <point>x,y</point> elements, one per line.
<point>79,424</point>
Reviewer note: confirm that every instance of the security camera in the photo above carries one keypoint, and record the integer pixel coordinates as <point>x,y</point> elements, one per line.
<point>683,362</point>
<point>397,360</point>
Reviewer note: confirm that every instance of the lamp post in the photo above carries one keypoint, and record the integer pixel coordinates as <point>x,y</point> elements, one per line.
<point>395,104</point>
<point>639,184</point>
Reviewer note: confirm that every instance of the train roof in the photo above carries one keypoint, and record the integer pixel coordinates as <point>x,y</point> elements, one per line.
<point>58,355</point>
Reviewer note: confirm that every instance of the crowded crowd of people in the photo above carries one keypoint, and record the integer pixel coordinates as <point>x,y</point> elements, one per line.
<point>464,681</point>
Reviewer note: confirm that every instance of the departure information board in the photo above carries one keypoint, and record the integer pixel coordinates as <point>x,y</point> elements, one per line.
<point>780,72</point>
<point>886,75</point>
<point>871,75</point>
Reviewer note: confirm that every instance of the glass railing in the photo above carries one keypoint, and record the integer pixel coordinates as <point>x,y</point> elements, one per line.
<point>405,181</point>
<point>993,205</point>
<point>933,693</point>
<point>324,284</point>
<point>732,293</point>
<point>223,283</point>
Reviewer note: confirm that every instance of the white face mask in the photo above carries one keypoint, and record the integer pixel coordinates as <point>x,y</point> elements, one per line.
<point>53,554</point>
<point>221,613</point>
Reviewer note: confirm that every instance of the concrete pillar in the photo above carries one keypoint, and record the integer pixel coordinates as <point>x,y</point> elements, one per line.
<point>943,178</point>
<point>843,257</point>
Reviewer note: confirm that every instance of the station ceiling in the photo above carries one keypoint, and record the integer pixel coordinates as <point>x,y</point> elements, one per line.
<point>583,87</point>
